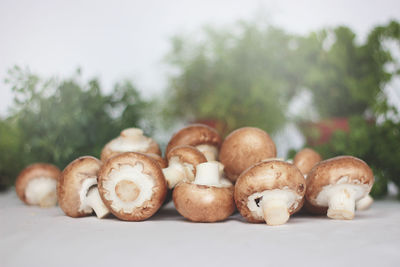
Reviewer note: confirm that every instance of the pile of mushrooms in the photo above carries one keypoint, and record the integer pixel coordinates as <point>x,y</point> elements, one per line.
<point>207,176</point>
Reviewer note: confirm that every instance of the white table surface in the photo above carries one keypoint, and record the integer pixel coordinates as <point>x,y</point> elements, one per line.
<point>31,236</point>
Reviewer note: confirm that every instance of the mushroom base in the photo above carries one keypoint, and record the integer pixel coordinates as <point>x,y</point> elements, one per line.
<point>273,206</point>
<point>91,200</point>
<point>364,203</point>
<point>341,199</point>
<point>41,191</point>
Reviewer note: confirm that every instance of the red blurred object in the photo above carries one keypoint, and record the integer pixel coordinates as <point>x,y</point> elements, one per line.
<point>318,133</point>
<point>219,125</point>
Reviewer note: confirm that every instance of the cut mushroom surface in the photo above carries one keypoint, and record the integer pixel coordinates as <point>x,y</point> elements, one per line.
<point>77,188</point>
<point>182,161</point>
<point>132,186</point>
<point>200,136</point>
<point>130,140</point>
<point>37,184</point>
<point>243,148</point>
<point>337,184</point>
<point>269,191</point>
<point>209,198</point>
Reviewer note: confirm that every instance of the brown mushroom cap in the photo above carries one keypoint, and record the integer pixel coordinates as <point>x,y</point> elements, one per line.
<point>31,172</point>
<point>70,184</point>
<point>329,172</point>
<point>187,154</point>
<point>160,160</point>
<point>108,152</point>
<point>243,148</point>
<point>202,203</point>
<point>267,175</point>
<point>305,159</point>
<point>150,168</point>
<point>194,135</point>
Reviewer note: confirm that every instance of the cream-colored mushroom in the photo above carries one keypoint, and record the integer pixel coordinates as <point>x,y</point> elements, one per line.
<point>337,184</point>
<point>209,198</point>
<point>132,186</point>
<point>206,139</point>
<point>182,161</point>
<point>269,191</point>
<point>37,184</point>
<point>130,140</point>
<point>243,148</point>
<point>77,188</point>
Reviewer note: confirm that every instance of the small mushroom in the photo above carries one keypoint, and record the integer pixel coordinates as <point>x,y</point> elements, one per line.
<point>243,148</point>
<point>132,186</point>
<point>337,184</point>
<point>269,191</point>
<point>305,159</point>
<point>200,136</point>
<point>77,190</point>
<point>37,184</point>
<point>130,140</point>
<point>209,198</point>
<point>182,161</point>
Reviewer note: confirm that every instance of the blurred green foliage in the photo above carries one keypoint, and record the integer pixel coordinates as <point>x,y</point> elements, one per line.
<point>57,122</point>
<point>243,76</point>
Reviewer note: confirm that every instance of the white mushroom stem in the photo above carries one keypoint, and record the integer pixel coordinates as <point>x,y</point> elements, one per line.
<point>174,174</point>
<point>41,191</point>
<point>94,200</point>
<point>275,211</point>
<point>207,173</point>
<point>210,152</point>
<point>90,198</point>
<point>341,205</point>
<point>364,203</point>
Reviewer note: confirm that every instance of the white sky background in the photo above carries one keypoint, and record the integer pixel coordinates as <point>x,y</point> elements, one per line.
<point>117,40</point>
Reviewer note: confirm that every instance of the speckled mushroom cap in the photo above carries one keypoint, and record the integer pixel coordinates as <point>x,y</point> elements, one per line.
<point>144,168</point>
<point>243,148</point>
<point>160,160</point>
<point>109,152</point>
<point>194,135</point>
<point>202,203</point>
<point>329,172</point>
<point>187,154</point>
<point>71,182</point>
<point>31,172</point>
<point>305,159</point>
<point>268,175</point>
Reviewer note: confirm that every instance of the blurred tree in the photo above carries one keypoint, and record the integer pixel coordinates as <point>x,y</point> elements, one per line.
<point>57,122</point>
<point>243,76</point>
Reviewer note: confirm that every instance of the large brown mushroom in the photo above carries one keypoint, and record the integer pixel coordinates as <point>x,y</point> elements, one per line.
<point>203,137</point>
<point>243,148</point>
<point>37,184</point>
<point>132,186</point>
<point>182,161</point>
<point>337,184</point>
<point>305,160</point>
<point>77,190</point>
<point>130,140</point>
<point>269,191</point>
<point>209,198</point>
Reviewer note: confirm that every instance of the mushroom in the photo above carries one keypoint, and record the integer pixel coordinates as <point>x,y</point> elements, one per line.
<point>337,184</point>
<point>160,160</point>
<point>243,148</point>
<point>182,161</point>
<point>209,198</point>
<point>200,136</point>
<point>130,140</point>
<point>77,190</point>
<point>305,159</point>
<point>37,184</point>
<point>364,203</point>
<point>132,186</point>
<point>269,191</point>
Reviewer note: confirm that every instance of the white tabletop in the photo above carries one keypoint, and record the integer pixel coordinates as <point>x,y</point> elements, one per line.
<point>31,236</point>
